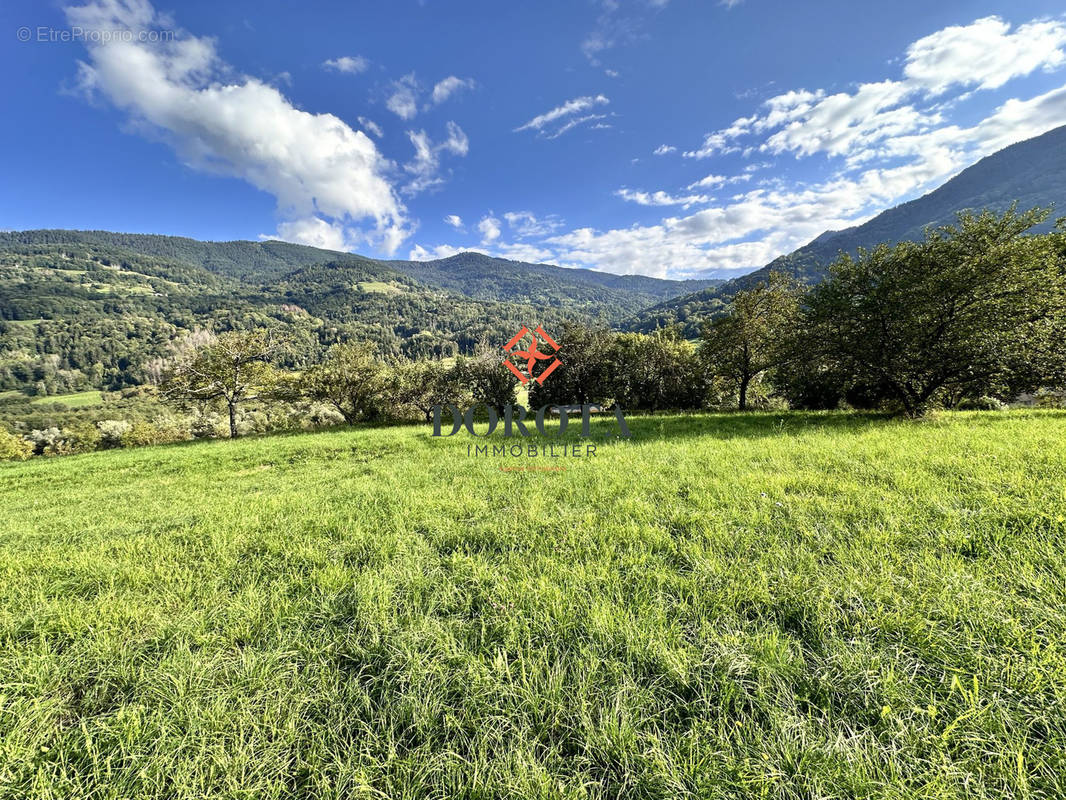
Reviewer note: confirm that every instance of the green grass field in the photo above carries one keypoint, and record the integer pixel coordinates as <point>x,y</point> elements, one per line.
<point>74,400</point>
<point>765,606</point>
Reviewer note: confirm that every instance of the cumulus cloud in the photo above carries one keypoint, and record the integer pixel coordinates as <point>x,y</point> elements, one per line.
<point>665,149</point>
<point>350,64</point>
<point>403,97</point>
<point>316,233</point>
<point>449,86</point>
<point>715,181</point>
<point>425,167</point>
<point>985,54</point>
<point>420,253</point>
<point>567,111</point>
<point>489,227</point>
<point>321,171</point>
<point>455,221</point>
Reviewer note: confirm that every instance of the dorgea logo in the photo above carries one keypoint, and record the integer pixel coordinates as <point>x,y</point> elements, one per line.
<point>531,355</point>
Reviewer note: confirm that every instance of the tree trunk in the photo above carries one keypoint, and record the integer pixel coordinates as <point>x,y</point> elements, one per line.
<point>744,392</point>
<point>233,420</point>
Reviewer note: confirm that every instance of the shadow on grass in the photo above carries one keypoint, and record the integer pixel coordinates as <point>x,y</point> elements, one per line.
<point>759,424</point>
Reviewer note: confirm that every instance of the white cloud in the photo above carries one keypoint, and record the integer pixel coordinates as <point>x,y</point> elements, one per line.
<point>526,224</point>
<point>984,54</point>
<point>567,109</point>
<point>425,167</point>
<point>371,126</point>
<point>350,64</point>
<point>665,149</point>
<point>403,100</point>
<point>449,86</point>
<point>455,221</point>
<point>316,166</point>
<point>420,253</point>
<point>620,22</point>
<point>577,121</point>
<point>714,181</point>
<point>661,198</point>
<point>315,232</point>
<point>489,227</point>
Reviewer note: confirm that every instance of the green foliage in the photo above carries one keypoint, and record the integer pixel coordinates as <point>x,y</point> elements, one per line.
<point>757,335</point>
<point>976,309</point>
<point>14,448</point>
<point>352,379</point>
<point>485,379</point>
<point>420,385</point>
<point>232,370</point>
<point>640,372</point>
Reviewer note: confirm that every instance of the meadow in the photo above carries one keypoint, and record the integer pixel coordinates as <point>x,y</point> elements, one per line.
<point>749,605</point>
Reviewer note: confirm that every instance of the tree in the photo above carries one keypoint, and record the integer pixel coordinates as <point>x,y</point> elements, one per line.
<point>486,379</point>
<point>234,369</point>
<point>972,310</point>
<point>423,384</point>
<point>584,372</point>
<point>657,371</point>
<point>757,334</point>
<point>353,380</point>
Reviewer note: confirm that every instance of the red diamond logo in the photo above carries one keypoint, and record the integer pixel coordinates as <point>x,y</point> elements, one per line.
<point>527,358</point>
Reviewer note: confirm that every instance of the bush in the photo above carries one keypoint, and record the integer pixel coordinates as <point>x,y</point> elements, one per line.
<point>984,403</point>
<point>52,441</point>
<point>143,434</point>
<point>14,448</point>
<point>112,432</point>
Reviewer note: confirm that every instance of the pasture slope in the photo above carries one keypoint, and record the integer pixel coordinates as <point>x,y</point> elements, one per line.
<point>763,605</point>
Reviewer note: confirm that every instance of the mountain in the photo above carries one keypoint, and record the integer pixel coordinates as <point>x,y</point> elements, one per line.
<point>485,278</point>
<point>89,309</point>
<point>475,275</point>
<point>1030,173</point>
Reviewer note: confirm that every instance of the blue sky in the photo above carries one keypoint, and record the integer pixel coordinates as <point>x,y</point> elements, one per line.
<point>662,137</point>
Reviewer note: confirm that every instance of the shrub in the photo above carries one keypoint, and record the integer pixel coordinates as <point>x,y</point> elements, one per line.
<point>112,432</point>
<point>984,403</point>
<point>14,448</point>
<point>143,434</point>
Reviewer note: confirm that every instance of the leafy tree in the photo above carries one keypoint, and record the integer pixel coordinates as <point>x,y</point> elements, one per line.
<point>656,372</point>
<point>423,384</point>
<point>234,369</point>
<point>975,309</point>
<point>584,373</point>
<point>486,379</point>
<point>758,334</point>
<point>352,379</point>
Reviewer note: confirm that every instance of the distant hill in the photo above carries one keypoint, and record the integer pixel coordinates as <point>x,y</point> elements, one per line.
<point>1031,173</point>
<point>90,309</point>
<point>482,277</point>
<point>475,275</point>
<point>252,262</point>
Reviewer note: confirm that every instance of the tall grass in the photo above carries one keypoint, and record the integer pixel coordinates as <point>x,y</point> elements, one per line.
<point>724,606</point>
